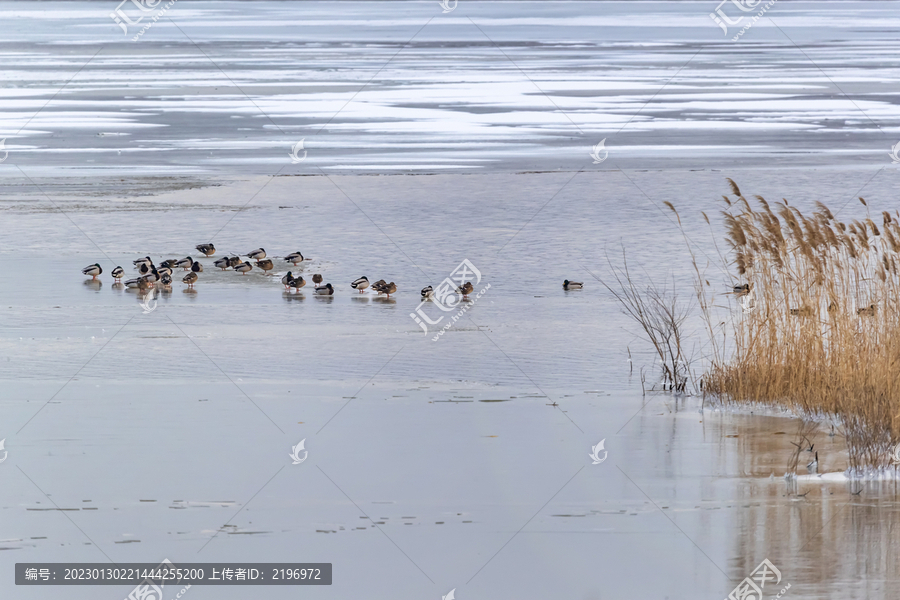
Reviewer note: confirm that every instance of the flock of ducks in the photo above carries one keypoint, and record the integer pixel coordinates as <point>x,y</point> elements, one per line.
<point>150,274</point>
<point>805,311</point>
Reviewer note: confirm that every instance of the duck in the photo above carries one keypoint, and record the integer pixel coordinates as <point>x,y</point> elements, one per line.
<point>223,263</point>
<point>378,285</point>
<point>166,280</point>
<point>234,261</point>
<point>185,263</point>
<point>266,265</point>
<point>294,257</point>
<point>243,268</point>
<point>317,278</point>
<point>164,271</point>
<point>190,278</point>
<point>427,292</point>
<point>297,283</point>
<point>151,277</point>
<point>467,288</point>
<point>868,311</point>
<point>325,290</point>
<point>741,290</point>
<point>388,289</point>
<point>145,268</point>
<point>169,264</point>
<point>257,254</point>
<point>93,270</point>
<point>197,267</point>
<point>286,280</point>
<point>139,261</point>
<point>117,273</point>
<point>206,249</point>
<point>572,285</point>
<point>136,282</point>
<point>360,284</point>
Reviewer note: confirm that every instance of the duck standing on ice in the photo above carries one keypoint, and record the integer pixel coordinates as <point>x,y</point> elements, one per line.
<point>360,284</point>
<point>93,270</point>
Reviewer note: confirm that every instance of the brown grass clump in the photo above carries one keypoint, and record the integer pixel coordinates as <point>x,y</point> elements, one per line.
<point>818,329</point>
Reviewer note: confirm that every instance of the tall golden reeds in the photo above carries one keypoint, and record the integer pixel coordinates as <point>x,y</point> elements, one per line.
<point>818,328</point>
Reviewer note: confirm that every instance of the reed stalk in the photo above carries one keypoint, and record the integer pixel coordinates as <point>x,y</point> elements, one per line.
<point>816,325</point>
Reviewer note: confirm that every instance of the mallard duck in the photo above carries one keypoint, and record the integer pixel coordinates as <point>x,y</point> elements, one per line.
<point>139,261</point>
<point>207,249</point>
<point>378,285</point>
<point>297,283</point>
<point>317,278</point>
<point>234,261</point>
<point>243,268</point>
<point>222,263</point>
<point>145,268</point>
<point>388,289</point>
<point>92,270</point>
<point>567,285</point>
<point>164,271</point>
<point>741,290</point>
<point>360,284</point>
<point>286,280</point>
<point>136,282</point>
<point>169,264</point>
<point>185,263</point>
<point>197,267</point>
<point>427,292</point>
<point>325,290</point>
<point>151,277</point>
<point>117,273</point>
<point>294,257</point>
<point>166,280</point>
<point>266,265</point>
<point>467,288</point>
<point>190,278</point>
<point>868,311</point>
<point>257,254</point>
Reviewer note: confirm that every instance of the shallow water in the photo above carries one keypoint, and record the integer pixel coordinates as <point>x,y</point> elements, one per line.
<point>168,423</point>
<point>457,464</point>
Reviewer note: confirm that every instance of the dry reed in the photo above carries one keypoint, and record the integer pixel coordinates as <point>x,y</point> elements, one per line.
<point>661,316</point>
<point>818,329</point>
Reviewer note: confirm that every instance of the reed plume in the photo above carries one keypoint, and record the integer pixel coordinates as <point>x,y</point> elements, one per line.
<point>819,330</point>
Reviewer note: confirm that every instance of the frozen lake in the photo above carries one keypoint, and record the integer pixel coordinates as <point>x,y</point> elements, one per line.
<point>461,464</point>
<point>379,87</point>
